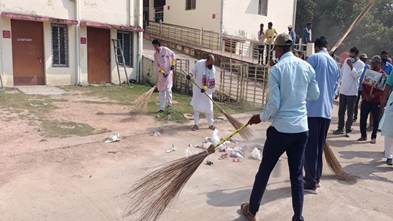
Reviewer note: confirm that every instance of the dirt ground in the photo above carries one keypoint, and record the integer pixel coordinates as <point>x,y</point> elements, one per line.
<point>81,178</point>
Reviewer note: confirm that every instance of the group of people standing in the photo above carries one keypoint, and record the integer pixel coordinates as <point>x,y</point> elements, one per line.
<point>267,37</point>
<point>300,106</point>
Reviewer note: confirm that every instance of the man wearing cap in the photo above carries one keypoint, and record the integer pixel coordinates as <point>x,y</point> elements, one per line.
<point>291,83</point>
<point>364,58</point>
<point>319,113</point>
<point>165,60</point>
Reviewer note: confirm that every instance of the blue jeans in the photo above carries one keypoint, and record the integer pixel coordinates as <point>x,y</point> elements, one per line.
<point>276,144</point>
<point>313,164</point>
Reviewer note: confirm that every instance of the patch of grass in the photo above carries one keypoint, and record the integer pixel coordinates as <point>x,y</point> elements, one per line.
<point>36,108</point>
<point>67,128</point>
<point>126,95</point>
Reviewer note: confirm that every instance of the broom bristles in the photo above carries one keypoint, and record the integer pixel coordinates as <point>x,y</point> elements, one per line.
<point>152,194</point>
<point>335,165</point>
<point>246,133</point>
<point>141,103</point>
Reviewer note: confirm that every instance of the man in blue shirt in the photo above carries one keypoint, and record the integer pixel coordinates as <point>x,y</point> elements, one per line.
<point>386,65</point>
<point>320,112</point>
<point>291,83</point>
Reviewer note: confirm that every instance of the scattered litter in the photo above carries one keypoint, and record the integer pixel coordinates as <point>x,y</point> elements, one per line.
<point>156,132</point>
<point>188,150</point>
<point>172,149</point>
<point>215,139</point>
<point>223,147</point>
<point>209,163</point>
<point>237,152</point>
<point>114,137</point>
<point>223,156</point>
<point>113,152</point>
<point>236,160</point>
<point>256,154</point>
<point>206,145</point>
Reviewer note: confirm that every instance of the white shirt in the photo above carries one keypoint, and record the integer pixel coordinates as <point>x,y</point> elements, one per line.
<point>203,77</point>
<point>350,79</point>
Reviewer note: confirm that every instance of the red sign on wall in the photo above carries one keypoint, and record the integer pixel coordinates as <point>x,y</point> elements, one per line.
<point>83,40</point>
<point>6,34</point>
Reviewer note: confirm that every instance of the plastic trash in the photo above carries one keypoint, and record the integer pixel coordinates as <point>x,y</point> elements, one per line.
<point>114,137</point>
<point>215,139</point>
<point>172,149</point>
<point>256,154</point>
<point>209,163</point>
<point>223,147</point>
<point>188,150</point>
<point>237,152</point>
<point>156,133</point>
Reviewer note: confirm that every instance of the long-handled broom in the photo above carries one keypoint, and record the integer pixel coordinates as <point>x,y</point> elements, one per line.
<point>140,104</point>
<point>151,195</point>
<point>246,133</point>
<point>335,165</point>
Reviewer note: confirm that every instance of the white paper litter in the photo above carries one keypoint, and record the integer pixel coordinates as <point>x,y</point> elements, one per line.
<point>172,149</point>
<point>114,137</point>
<point>256,154</point>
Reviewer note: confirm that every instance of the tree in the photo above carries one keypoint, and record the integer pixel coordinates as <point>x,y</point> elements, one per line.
<point>331,18</point>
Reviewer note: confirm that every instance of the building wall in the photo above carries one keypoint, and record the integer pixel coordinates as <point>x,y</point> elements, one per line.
<point>242,18</point>
<point>201,17</point>
<point>123,12</point>
<point>64,9</point>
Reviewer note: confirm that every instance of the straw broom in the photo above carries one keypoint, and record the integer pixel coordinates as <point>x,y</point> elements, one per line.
<point>140,104</point>
<point>246,133</point>
<point>335,165</point>
<point>151,195</point>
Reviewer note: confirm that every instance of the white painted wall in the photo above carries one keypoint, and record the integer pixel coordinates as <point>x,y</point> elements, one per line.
<point>199,18</point>
<point>106,11</point>
<point>59,75</point>
<point>121,12</point>
<point>51,8</point>
<point>6,54</point>
<point>241,16</point>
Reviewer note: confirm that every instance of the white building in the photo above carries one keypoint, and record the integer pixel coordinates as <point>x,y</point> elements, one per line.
<point>232,17</point>
<point>62,42</point>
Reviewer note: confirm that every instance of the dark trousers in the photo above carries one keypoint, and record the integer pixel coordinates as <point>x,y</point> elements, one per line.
<point>347,104</point>
<point>375,110</point>
<point>313,163</point>
<point>276,144</point>
<point>356,110</point>
<point>261,49</point>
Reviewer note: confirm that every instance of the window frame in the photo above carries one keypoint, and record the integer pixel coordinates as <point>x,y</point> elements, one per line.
<point>59,48</point>
<point>190,5</point>
<point>263,11</point>
<point>129,63</point>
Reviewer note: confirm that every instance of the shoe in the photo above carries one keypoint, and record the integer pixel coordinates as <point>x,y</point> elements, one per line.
<point>318,185</point>
<point>362,139</point>
<point>389,162</point>
<point>195,128</point>
<point>212,127</point>
<point>310,189</point>
<point>246,212</point>
<point>348,131</point>
<point>338,132</point>
<point>160,111</point>
<point>373,141</point>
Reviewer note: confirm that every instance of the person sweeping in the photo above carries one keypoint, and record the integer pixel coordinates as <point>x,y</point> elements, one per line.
<point>165,61</point>
<point>292,82</point>
<point>319,113</point>
<point>204,76</point>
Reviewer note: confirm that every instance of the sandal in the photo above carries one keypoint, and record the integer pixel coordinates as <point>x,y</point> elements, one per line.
<point>246,212</point>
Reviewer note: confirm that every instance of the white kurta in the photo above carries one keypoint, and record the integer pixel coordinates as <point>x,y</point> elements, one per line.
<point>203,77</point>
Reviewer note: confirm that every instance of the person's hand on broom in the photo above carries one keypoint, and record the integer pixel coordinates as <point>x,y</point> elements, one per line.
<point>256,119</point>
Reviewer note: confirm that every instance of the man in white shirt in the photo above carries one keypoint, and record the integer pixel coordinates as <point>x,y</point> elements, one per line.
<point>351,72</point>
<point>203,74</point>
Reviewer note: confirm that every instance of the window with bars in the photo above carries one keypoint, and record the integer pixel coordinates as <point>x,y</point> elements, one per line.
<point>262,7</point>
<point>125,42</point>
<point>60,45</point>
<point>190,4</point>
